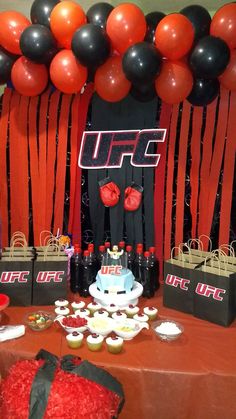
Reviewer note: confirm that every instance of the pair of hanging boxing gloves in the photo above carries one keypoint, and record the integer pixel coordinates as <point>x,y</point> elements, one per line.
<point>110,194</point>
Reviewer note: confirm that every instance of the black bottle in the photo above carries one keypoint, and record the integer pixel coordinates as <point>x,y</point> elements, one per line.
<point>147,283</point>
<point>76,271</point>
<point>154,268</point>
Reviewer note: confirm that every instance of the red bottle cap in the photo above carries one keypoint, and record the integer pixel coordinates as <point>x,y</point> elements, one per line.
<point>91,247</point>
<point>107,245</point>
<point>121,245</point>
<point>101,248</point>
<point>129,248</point>
<point>86,253</point>
<point>146,254</point>
<point>152,249</point>
<point>139,246</point>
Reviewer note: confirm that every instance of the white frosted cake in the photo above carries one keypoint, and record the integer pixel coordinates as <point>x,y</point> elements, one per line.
<point>115,284</point>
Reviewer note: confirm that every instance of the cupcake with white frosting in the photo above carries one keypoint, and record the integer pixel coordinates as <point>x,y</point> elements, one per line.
<point>82,312</point>
<point>74,340</point>
<point>93,306</point>
<point>151,312</point>
<point>112,308</point>
<point>94,342</point>
<point>101,313</point>
<point>131,310</point>
<point>76,305</point>
<point>118,315</point>
<point>61,302</point>
<point>64,311</point>
<point>141,317</point>
<point>114,344</point>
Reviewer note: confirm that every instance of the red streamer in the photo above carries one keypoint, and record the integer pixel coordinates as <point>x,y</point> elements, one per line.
<point>169,181</point>
<point>216,163</point>
<point>181,174</point>
<point>159,189</point>
<point>205,164</point>
<point>228,175</point>
<point>51,157</point>
<point>6,103</point>
<point>195,165</point>
<point>34,168</point>
<point>73,155</point>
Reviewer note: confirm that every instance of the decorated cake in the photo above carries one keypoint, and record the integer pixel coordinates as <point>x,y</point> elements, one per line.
<point>114,277</point>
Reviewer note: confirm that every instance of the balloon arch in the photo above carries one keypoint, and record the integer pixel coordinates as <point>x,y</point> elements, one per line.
<point>185,55</point>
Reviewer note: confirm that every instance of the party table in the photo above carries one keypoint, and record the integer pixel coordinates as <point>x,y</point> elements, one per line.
<point>193,377</point>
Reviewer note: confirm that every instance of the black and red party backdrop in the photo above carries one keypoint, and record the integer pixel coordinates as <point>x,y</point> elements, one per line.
<point>190,193</point>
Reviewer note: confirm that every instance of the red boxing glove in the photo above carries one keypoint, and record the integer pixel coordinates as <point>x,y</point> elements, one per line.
<point>133,197</point>
<point>109,192</point>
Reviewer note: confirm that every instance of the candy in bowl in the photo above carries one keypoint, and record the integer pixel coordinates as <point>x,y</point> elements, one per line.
<point>72,323</point>
<point>129,328</point>
<point>39,320</point>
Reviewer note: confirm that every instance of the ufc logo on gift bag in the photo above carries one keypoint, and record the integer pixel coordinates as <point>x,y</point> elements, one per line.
<point>48,276</point>
<point>175,281</point>
<point>15,276</point>
<point>210,291</point>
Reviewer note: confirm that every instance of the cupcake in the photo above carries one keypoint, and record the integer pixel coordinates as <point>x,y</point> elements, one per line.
<point>76,305</point>
<point>93,306</point>
<point>82,312</point>
<point>141,317</point>
<point>101,313</point>
<point>114,344</point>
<point>74,340</point>
<point>94,342</point>
<point>151,312</point>
<point>112,308</point>
<point>62,310</point>
<point>61,302</point>
<point>118,315</point>
<point>131,310</point>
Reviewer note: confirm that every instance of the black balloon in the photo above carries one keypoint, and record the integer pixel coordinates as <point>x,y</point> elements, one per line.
<point>40,11</point>
<point>144,93</point>
<point>209,57</point>
<point>98,14</point>
<point>204,92</point>
<point>141,63</point>
<point>91,45</point>
<point>152,20</point>
<point>38,44</point>
<point>6,62</point>
<point>200,19</point>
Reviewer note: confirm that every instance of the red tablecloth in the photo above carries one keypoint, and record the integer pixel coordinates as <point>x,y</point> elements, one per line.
<point>191,378</point>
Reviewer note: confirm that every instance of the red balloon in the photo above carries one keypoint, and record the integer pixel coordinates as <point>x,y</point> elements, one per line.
<point>126,25</point>
<point>228,78</point>
<point>66,17</point>
<point>223,24</point>
<point>12,24</point>
<point>67,74</point>
<point>174,36</point>
<point>28,78</point>
<point>110,81</point>
<point>175,82</point>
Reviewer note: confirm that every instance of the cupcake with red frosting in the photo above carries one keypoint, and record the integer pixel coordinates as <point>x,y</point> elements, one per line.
<point>114,344</point>
<point>94,342</point>
<point>151,312</point>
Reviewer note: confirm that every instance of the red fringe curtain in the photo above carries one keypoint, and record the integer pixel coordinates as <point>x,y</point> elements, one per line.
<point>37,133</point>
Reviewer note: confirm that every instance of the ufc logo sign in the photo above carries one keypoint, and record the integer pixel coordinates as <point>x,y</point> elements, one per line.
<point>101,149</point>
<point>112,270</point>
<point>209,291</point>
<point>12,277</point>
<point>48,276</point>
<point>175,281</point>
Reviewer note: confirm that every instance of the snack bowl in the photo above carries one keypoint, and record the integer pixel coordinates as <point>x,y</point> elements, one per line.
<point>167,330</point>
<point>39,320</point>
<point>101,325</point>
<point>127,329</point>
<point>72,323</point>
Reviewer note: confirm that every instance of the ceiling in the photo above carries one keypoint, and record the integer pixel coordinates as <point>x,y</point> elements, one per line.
<point>168,6</point>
